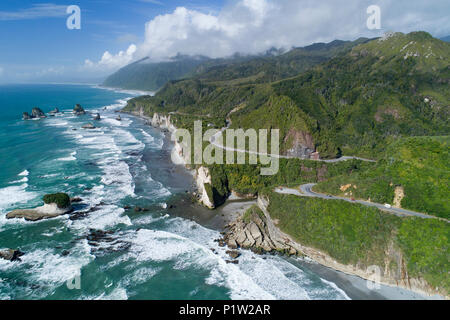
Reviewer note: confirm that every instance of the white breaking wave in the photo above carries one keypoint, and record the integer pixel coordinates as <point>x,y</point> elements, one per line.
<point>70,158</point>
<point>249,279</point>
<point>23,180</point>
<point>24,173</point>
<point>15,195</point>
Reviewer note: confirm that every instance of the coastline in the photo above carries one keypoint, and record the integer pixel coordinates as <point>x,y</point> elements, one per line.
<point>354,283</point>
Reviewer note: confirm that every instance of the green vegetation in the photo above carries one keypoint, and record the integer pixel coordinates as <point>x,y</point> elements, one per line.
<point>353,104</point>
<point>62,200</point>
<point>359,235</point>
<point>385,99</point>
<point>143,75</point>
<point>418,165</point>
<point>268,67</point>
<point>246,179</point>
<point>253,210</point>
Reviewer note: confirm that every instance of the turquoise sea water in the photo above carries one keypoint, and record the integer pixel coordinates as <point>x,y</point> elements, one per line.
<point>151,255</point>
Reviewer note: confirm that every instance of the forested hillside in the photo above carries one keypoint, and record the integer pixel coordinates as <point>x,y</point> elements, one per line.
<point>353,104</point>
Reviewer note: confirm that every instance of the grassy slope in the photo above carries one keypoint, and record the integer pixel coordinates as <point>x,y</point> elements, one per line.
<point>355,234</point>
<point>418,164</point>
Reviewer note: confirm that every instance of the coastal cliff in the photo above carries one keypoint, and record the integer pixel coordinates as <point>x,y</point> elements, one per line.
<point>257,231</point>
<point>202,175</point>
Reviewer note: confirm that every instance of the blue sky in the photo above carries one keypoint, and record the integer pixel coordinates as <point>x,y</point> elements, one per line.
<point>34,35</point>
<point>36,45</point>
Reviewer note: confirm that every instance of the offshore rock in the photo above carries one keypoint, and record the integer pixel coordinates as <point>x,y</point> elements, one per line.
<point>26,116</point>
<point>88,126</point>
<point>37,113</point>
<point>11,255</point>
<point>78,110</point>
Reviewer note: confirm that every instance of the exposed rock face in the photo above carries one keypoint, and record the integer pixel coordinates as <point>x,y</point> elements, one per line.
<point>88,126</point>
<point>203,179</point>
<point>97,116</point>
<point>261,235</point>
<point>47,211</point>
<point>78,110</point>
<point>37,113</point>
<point>26,116</point>
<point>76,200</point>
<point>399,195</point>
<point>11,255</point>
<point>163,122</point>
<point>302,144</point>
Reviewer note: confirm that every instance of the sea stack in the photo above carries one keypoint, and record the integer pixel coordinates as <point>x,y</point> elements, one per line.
<point>37,113</point>
<point>54,205</point>
<point>78,110</point>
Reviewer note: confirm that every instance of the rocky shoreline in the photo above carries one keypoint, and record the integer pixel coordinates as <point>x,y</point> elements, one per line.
<point>261,235</point>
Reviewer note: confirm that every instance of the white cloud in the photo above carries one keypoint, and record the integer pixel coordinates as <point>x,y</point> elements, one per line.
<point>253,26</point>
<point>109,61</point>
<point>43,10</point>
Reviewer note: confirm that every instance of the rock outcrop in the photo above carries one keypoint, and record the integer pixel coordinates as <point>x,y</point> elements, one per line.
<point>26,116</point>
<point>261,235</point>
<point>37,113</point>
<point>78,110</point>
<point>301,144</point>
<point>11,255</point>
<point>88,126</point>
<point>203,181</point>
<point>47,211</point>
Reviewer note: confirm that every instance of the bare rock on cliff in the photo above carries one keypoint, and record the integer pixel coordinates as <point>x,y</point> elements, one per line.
<point>302,144</point>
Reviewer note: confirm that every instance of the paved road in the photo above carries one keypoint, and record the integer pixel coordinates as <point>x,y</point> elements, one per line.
<point>306,191</point>
<point>213,142</point>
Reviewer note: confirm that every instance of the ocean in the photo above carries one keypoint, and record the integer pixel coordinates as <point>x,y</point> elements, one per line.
<point>101,250</point>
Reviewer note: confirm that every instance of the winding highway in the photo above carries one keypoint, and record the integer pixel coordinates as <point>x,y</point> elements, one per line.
<point>306,191</point>
<point>226,148</point>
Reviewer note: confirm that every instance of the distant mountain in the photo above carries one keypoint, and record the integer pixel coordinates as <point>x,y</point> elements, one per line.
<point>148,76</point>
<point>271,66</point>
<point>446,39</point>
